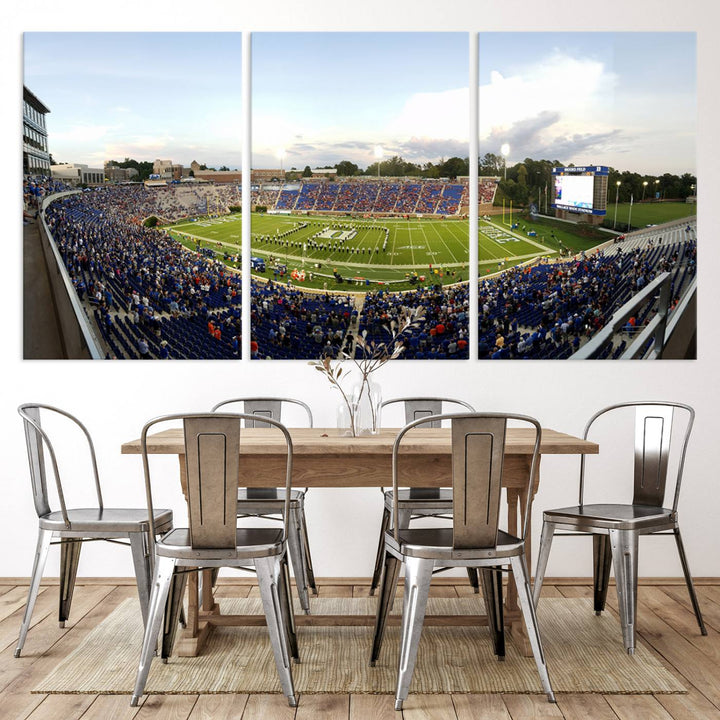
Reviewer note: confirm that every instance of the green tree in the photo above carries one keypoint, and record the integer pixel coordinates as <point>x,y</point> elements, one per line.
<point>522,174</point>
<point>431,171</point>
<point>307,172</point>
<point>454,167</point>
<point>345,168</point>
<point>491,164</point>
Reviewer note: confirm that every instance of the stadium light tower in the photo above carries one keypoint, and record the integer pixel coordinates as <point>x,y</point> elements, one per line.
<point>645,184</point>
<point>505,151</point>
<point>378,156</point>
<point>617,193</point>
<point>657,182</point>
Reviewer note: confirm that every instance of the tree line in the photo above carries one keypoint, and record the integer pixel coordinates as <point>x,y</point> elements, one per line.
<point>522,183</point>
<point>395,166</point>
<point>530,181</point>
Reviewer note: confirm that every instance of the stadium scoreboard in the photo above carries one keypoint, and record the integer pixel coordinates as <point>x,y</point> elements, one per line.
<point>580,189</point>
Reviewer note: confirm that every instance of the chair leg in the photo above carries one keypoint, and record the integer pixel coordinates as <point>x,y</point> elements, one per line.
<point>546,538</point>
<point>418,574</point>
<point>143,570</point>
<point>624,544</point>
<point>41,552</point>
<point>286,608</point>
<point>493,597</point>
<point>380,557</point>
<point>294,543</point>
<point>404,518</point>
<point>268,574</point>
<point>522,582</point>
<point>69,559</point>
<point>173,608</point>
<point>689,581</point>
<point>307,558</point>
<point>602,561</point>
<point>474,580</point>
<point>385,602</point>
<point>164,571</point>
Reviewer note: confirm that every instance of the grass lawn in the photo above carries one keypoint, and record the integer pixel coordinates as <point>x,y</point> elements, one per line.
<point>648,213</point>
<point>387,251</point>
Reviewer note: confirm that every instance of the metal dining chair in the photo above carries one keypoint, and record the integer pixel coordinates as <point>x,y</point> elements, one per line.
<point>71,527</point>
<point>268,502</point>
<point>416,503</point>
<point>616,528</point>
<point>213,540</point>
<point>474,540</point>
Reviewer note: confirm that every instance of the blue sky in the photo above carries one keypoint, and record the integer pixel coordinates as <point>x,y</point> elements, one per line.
<point>622,99</point>
<point>174,96</point>
<point>319,98</point>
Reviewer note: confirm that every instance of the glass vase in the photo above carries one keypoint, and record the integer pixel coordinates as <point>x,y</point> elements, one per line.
<point>346,419</point>
<point>367,398</point>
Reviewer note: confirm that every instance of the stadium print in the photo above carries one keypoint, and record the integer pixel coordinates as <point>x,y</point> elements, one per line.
<point>360,194</point>
<point>600,259</point>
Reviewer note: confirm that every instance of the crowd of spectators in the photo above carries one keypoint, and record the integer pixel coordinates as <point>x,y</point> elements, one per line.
<point>138,276</point>
<point>438,320</point>
<point>287,323</point>
<point>37,188</point>
<point>486,190</point>
<point>151,297</point>
<point>427,197</point>
<point>550,310</point>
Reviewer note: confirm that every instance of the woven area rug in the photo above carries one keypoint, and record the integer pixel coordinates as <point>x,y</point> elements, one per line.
<point>584,654</point>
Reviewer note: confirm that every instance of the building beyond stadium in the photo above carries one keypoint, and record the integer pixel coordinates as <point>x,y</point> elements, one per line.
<point>36,158</point>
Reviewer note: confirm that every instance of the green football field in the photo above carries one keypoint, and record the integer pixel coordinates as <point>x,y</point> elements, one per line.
<point>643,214</point>
<point>365,252</point>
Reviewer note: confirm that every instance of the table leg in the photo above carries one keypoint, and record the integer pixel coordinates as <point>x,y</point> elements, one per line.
<point>200,604</point>
<point>193,614</point>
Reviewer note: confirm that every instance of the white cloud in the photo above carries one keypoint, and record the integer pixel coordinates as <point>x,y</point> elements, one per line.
<point>433,115</point>
<point>577,91</point>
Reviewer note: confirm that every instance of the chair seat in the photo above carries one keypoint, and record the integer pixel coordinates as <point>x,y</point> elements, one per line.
<point>437,543</point>
<point>608,516</point>
<point>419,499</point>
<point>91,520</point>
<point>266,500</point>
<point>250,543</point>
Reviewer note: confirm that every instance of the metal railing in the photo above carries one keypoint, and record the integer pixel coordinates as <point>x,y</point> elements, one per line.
<point>658,291</point>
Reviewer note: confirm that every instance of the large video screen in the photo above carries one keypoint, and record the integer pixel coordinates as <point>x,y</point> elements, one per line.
<point>574,191</point>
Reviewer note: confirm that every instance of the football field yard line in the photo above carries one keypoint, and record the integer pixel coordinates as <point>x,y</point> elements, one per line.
<point>463,239</point>
<point>410,245</point>
<point>491,248</point>
<point>442,240</point>
<point>445,243</point>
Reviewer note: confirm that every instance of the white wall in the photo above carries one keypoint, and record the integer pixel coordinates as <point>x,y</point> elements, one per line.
<point>115,399</point>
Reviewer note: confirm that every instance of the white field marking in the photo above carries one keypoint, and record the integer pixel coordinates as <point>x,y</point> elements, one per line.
<point>442,240</point>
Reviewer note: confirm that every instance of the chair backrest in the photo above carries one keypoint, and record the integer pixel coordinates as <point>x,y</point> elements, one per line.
<point>264,407</point>
<point>421,407</point>
<point>213,465</point>
<point>478,448</point>
<point>212,461</point>
<point>38,444</point>
<point>653,442</point>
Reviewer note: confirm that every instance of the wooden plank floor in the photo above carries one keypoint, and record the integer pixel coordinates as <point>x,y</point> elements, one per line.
<point>665,623</point>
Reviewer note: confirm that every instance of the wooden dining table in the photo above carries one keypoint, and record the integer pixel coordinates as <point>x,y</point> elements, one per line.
<point>322,457</point>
